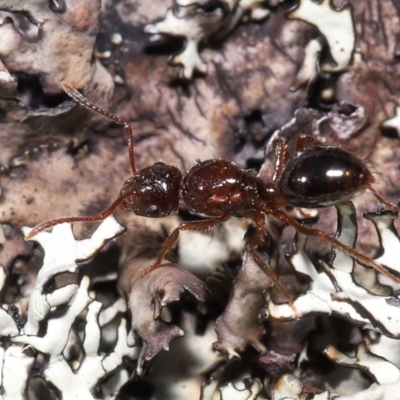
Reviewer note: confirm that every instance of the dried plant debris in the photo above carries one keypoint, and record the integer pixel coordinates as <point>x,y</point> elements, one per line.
<point>44,43</point>
<point>237,330</point>
<point>197,21</point>
<point>148,295</point>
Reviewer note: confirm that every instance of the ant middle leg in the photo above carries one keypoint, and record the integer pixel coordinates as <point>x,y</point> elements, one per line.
<point>171,240</point>
<point>83,101</point>
<point>251,247</point>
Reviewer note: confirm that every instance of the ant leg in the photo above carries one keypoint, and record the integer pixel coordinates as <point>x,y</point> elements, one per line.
<point>272,275</point>
<point>83,101</point>
<point>170,242</point>
<point>281,151</point>
<point>252,243</point>
<point>363,260</point>
<point>103,215</point>
<point>304,141</point>
<point>280,162</point>
<point>392,206</point>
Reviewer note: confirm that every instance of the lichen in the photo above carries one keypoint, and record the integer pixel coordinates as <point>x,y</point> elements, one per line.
<point>336,28</point>
<point>223,323</point>
<point>62,251</point>
<point>196,24</point>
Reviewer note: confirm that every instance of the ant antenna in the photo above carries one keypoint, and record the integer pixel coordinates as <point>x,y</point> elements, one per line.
<point>100,217</point>
<point>83,101</point>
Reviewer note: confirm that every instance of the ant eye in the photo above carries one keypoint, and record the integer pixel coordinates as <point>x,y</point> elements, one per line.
<point>152,211</point>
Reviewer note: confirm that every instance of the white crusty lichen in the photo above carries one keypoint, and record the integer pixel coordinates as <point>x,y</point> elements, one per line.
<point>334,290</point>
<point>288,387</point>
<point>246,389</point>
<point>394,122</point>
<point>80,382</point>
<point>385,374</point>
<point>62,251</point>
<point>7,323</point>
<point>336,28</point>
<point>197,21</point>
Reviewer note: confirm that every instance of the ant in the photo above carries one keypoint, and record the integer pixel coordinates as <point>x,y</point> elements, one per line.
<point>315,176</point>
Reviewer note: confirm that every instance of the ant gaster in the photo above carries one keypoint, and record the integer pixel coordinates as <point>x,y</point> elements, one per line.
<point>315,176</point>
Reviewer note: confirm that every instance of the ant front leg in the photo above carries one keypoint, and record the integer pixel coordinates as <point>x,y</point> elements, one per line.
<point>251,247</point>
<point>93,218</point>
<point>171,240</point>
<point>281,152</point>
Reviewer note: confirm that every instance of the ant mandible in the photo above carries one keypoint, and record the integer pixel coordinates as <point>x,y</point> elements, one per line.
<point>315,176</point>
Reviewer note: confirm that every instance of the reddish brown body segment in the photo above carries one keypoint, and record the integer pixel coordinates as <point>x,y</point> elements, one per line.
<point>153,191</point>
<point>216,187</point>
<point>315,176</point>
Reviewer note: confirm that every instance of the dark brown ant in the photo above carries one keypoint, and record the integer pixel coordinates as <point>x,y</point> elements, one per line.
<point>315,176</point>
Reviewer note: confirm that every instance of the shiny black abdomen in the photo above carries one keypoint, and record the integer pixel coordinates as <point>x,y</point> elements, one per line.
<point>322,176</point>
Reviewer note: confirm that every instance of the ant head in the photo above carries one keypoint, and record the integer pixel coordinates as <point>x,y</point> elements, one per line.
<point>155,191</point>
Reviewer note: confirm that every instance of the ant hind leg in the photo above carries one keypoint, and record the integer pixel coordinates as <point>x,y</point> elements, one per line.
<point>388,204</point>
<point>360,258</point>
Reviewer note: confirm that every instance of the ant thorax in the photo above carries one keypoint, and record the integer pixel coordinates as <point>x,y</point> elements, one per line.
<point>216,187</point>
